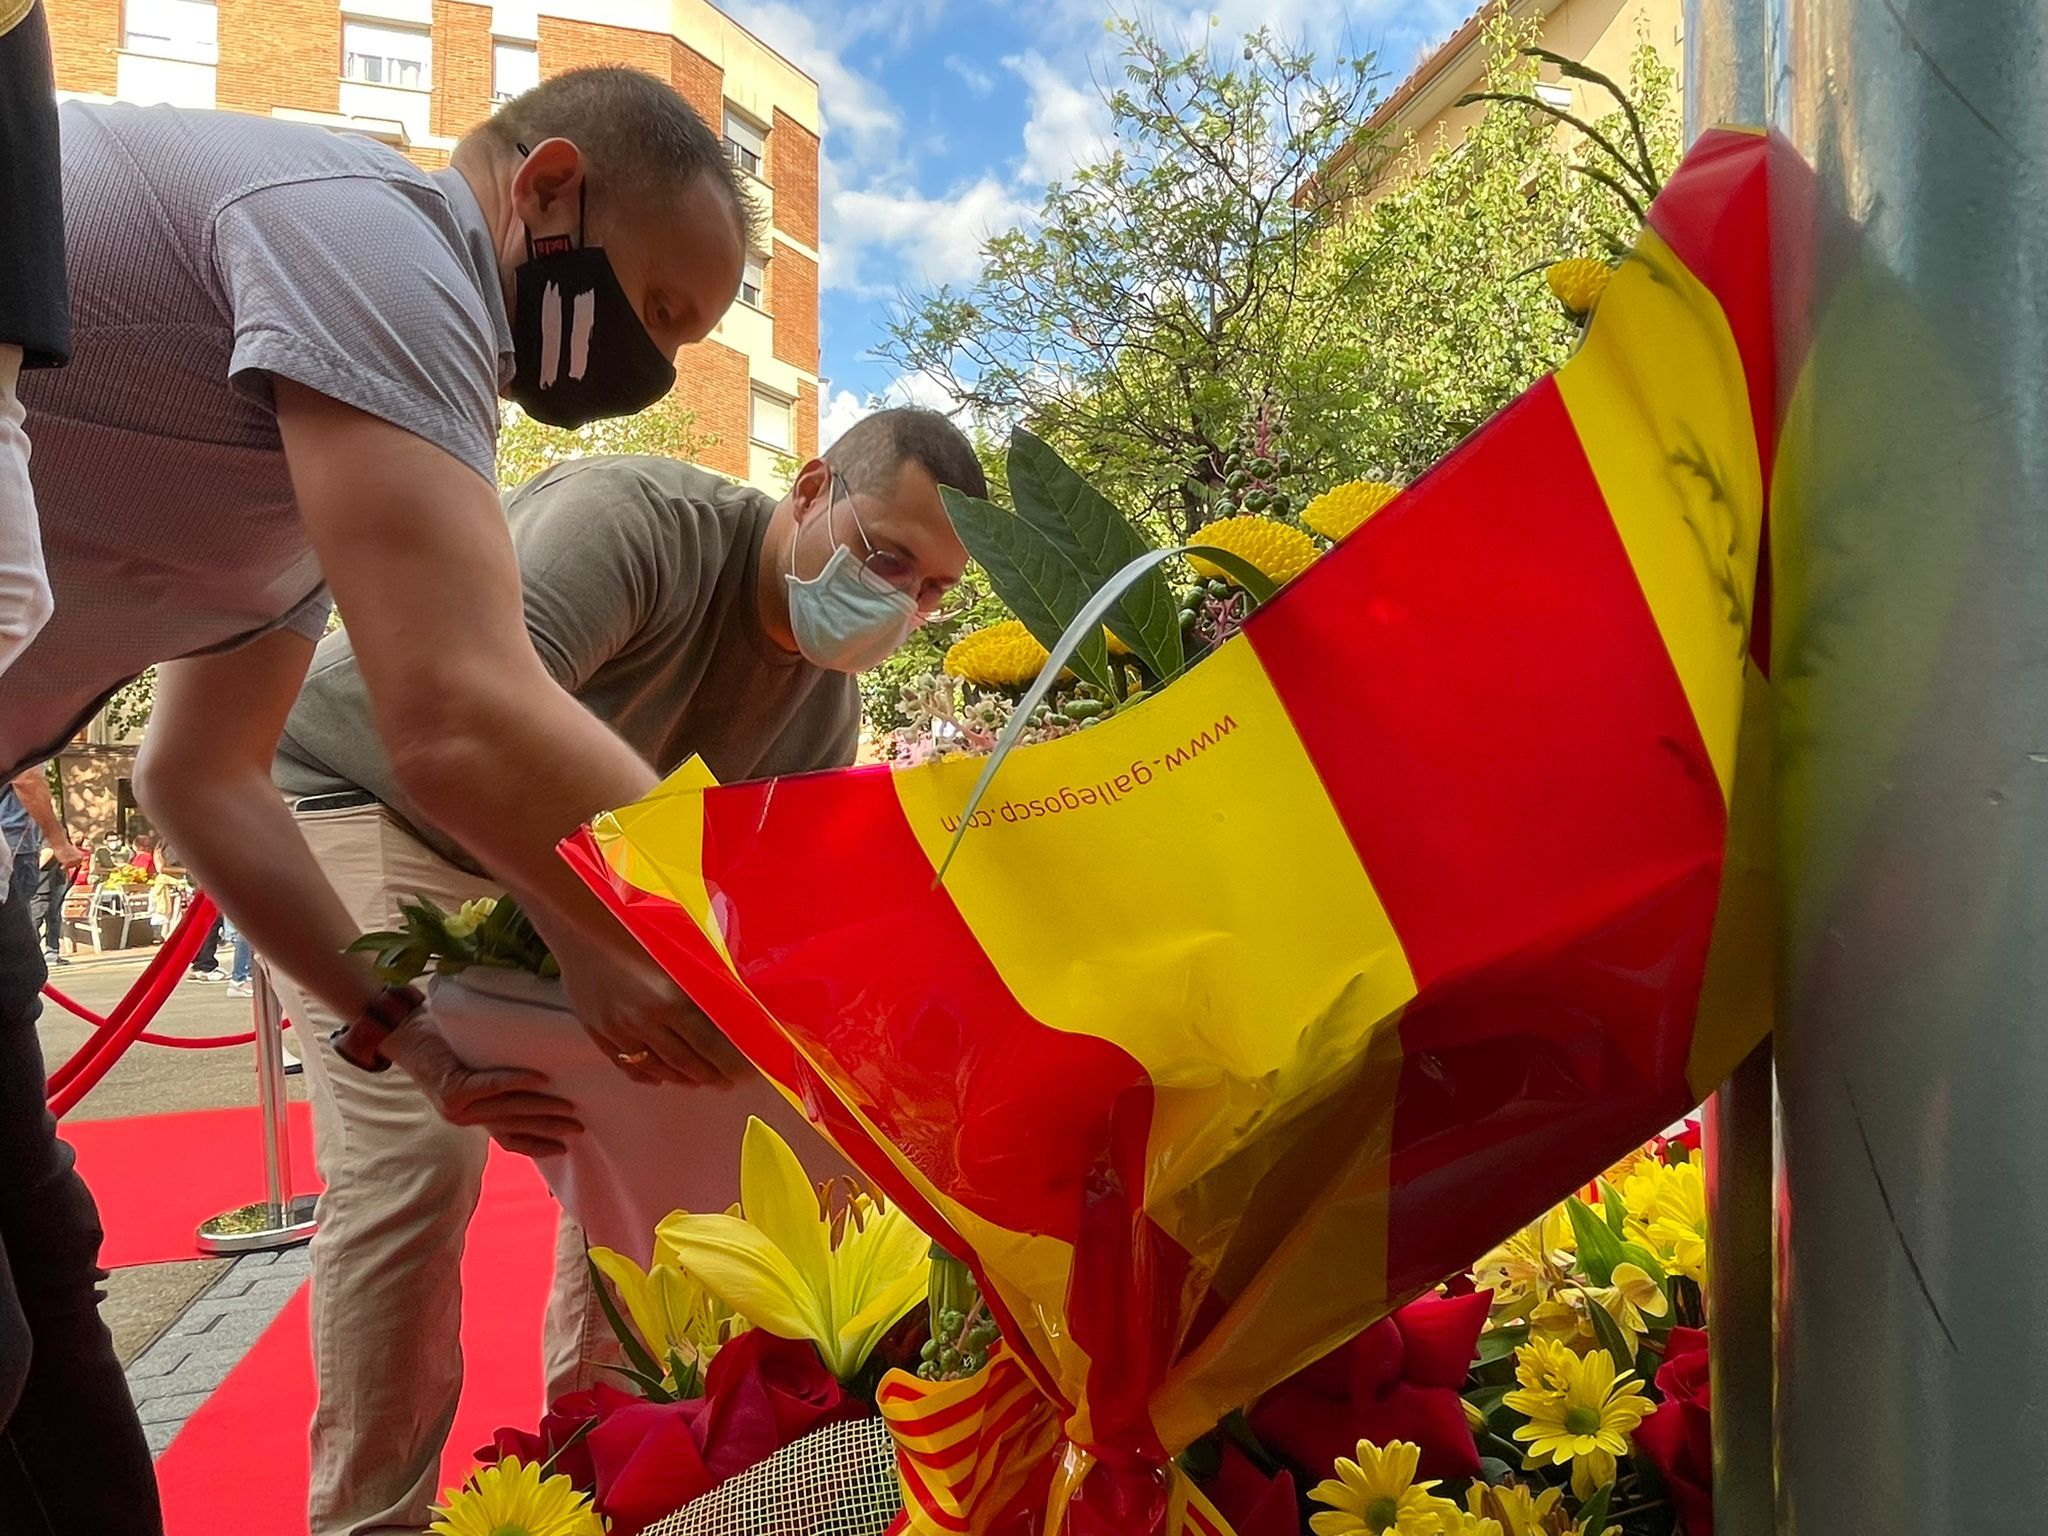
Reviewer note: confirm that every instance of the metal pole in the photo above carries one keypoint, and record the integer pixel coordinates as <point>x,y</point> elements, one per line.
<point>1727,80</point>
<point>280,1219</point>
<point>1910,649</point>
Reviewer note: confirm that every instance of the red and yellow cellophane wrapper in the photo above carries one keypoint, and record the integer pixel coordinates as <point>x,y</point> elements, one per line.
<point>1253,1012</point>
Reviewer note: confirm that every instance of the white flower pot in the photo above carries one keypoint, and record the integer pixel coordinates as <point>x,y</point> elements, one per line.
<point>645,1150</point>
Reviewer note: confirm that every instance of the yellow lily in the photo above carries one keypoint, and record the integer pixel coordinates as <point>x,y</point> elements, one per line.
<point>673,1314</point>
<point>777,1265</point>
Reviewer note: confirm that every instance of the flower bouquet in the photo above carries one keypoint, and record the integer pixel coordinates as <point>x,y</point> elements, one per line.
<point>806,1366</point>
<point>1477,786</point>
<point>646,1148</point>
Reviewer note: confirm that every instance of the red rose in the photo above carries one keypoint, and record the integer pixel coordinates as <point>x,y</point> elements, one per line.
<point>647,1464</point>
<point>1678,1439</point>
<point>1253,1503</point>
<point>558,1428</point>
<point>1398,1380</point>
<point>763,1393</point>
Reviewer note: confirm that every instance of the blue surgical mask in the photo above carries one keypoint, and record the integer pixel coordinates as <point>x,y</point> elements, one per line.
<point>846,618</point>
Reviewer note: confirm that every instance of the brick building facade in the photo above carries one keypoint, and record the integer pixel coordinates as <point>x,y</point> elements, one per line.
<point>418,73</point>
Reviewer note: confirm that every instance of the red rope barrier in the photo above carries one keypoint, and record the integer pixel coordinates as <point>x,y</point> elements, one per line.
<point>175,1042</point>
<point>93,1060</point>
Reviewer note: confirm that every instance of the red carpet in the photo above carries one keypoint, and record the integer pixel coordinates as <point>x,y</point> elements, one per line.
<point>157,1177</point>
<point>239,1465</point>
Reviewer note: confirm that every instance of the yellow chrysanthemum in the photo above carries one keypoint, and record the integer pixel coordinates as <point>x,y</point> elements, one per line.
<point>512,1499</point>
<point>1593,1418</point>
<point>1544,1367</point>
<point>1667,1214</point>
<point>1513,1509</point>
<point>1458,1523</point>
<point>1343,507</point>
<point>1279,552</point>
<point>1004,655</point>
<point>1377,1494</point>
<point>1578,283</point>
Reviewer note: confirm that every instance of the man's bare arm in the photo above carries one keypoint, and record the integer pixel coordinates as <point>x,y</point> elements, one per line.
<point>33,791</point>
<point>484,741</point>
<point>203,775</point>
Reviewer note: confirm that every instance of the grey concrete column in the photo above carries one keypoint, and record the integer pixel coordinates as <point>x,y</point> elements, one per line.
<point>1727,80</point>
<point>1910,669</point>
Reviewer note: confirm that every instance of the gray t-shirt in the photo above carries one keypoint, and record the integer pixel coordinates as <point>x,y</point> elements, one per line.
<point>642,596</point>
<point>207,253</point>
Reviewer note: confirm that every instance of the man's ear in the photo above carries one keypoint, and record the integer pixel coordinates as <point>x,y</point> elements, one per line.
<point>546,187</point>
<point>812,488</point>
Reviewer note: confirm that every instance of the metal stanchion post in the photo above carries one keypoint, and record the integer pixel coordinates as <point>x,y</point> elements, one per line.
<point>280,1219</point>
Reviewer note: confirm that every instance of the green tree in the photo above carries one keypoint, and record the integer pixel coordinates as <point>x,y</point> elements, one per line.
<point>1140,315</point>
<point>1433,286</point>
<point>666,428</point>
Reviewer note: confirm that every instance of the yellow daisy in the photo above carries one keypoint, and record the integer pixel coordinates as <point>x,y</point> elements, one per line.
<point>1596,1413</point>
<point>1343,507</point>
<point>1377,1494</point>
<point>510,1499</point>
<point>1543,1367</point>
<point>1279,552</point>
<point>1578,283</point>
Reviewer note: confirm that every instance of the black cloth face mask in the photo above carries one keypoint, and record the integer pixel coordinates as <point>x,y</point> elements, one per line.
<point>579,351</point>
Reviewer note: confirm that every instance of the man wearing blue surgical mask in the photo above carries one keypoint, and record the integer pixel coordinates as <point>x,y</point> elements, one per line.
<point>693,617</point>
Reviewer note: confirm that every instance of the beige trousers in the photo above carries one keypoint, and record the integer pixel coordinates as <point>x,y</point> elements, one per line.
<point>402,1184</point>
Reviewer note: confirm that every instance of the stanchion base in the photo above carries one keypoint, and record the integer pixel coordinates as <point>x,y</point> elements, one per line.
<point>254,1228</point>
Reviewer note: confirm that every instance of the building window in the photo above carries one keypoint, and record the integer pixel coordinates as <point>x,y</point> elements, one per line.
<point>379,55</point>
<point>1556,93</point>
<point>515,69</point>
<point>174,29</point>
<point>754,282</point>
<point>774,421</point>
<point>745,145</point>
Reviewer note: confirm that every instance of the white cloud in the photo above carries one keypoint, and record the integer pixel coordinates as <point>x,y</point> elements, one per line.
<point>977,79</point>
<point>842,409</point>
<point>861,122</point>
<point>1069,122</point>
<point>931,239</point>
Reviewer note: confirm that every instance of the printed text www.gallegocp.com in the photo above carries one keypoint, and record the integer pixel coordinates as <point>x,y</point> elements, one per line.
<point>1106,792</point>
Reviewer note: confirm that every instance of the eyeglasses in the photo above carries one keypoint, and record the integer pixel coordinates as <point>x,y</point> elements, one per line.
<point>895,571</point>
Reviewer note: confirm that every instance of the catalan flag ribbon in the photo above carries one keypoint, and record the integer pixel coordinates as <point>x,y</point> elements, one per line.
<point>1253,1012</point>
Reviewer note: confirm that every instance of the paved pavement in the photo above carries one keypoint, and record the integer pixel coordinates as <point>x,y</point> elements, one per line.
<point>178,1327</point>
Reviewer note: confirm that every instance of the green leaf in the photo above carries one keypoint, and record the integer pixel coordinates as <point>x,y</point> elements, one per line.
<point>1239,569</point>
<point>1035,580</point>
<point>1599,1249</point>
<point>1501,1343</point>
<point>1488,1399</point>
<point>1611,1338</point>
<point>1099,541</point>
<point>1593,1513</point>
<point>643,1364</point>
<point>1617,1213</point>
<point>1493,1471</point>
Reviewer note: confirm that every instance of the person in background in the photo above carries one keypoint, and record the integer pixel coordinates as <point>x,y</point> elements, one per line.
<point>62,864</point>
<point>31,825</point>
<point>240,982</point>
<point>205,964</point>
<point>144,857</point>
<point>692,616</point>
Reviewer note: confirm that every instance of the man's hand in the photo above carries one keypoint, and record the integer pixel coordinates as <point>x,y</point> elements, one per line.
<point>68,853</point>
<point>509,1102</point>
<point>643,1021</point>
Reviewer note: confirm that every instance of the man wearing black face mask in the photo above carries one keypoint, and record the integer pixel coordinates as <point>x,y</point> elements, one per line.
<point>287,352</point>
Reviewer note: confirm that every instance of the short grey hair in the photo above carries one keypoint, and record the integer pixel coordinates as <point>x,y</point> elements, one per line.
<point>871,453</point>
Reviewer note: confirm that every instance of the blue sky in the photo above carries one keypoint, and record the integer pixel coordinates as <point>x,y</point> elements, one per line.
<point>944,119</point>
